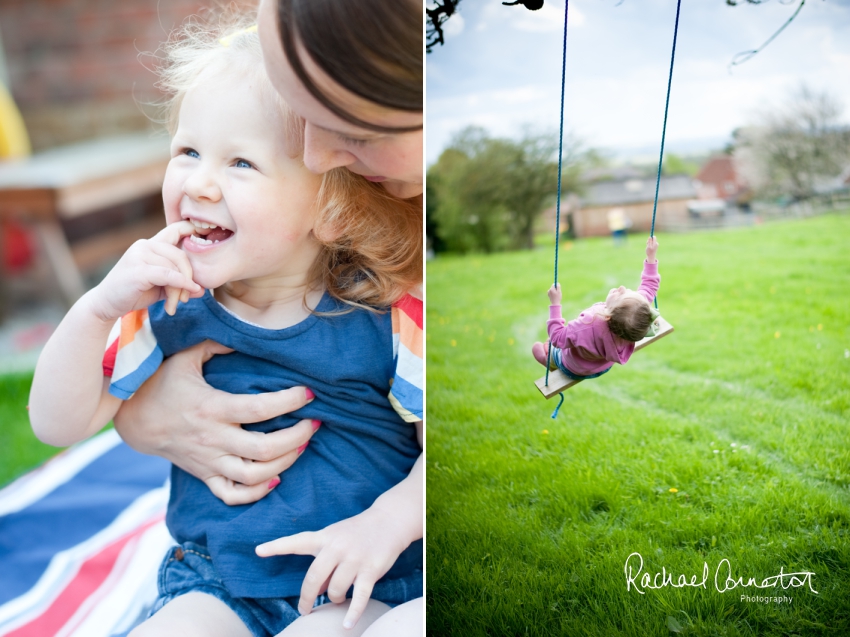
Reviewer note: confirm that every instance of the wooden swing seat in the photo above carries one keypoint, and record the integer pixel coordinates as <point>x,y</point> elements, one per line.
<point>558,381</point>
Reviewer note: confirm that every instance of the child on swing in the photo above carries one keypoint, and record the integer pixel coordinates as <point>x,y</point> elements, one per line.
<point>302,276</point>
<point>604,333</point>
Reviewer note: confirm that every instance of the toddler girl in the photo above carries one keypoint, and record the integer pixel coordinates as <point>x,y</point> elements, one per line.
<point>605,333</point>
<point>302,276</point>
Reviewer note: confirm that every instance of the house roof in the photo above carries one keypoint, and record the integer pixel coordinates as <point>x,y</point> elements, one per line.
<point>628,191</point>
<point>718,170</point>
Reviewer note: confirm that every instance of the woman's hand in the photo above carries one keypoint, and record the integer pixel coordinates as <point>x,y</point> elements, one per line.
<point>178,416</point>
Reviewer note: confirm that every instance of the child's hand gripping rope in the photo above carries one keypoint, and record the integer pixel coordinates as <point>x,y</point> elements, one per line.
<point>555,294</point>
<point>651,249</point>
<point>152,269</point>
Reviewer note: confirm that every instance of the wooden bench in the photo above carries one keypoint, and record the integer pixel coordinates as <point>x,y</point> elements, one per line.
<point>73,181</point>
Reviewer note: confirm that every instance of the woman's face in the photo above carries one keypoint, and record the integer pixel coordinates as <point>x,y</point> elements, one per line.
<point>395,160</point>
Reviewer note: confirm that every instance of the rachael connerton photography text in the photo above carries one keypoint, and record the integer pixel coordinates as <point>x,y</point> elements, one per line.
<point>724,579</point>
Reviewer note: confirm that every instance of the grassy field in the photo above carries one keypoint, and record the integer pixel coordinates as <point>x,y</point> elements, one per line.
<point>726,440</point>
<point>19,448</point>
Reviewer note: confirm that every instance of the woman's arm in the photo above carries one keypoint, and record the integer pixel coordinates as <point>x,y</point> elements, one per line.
<point>178,416</point>
<point>361,549</point>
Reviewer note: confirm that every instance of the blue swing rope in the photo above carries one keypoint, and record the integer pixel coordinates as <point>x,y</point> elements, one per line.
<point>664,128</point>
<point>560,156</point>
<point>558,203</point>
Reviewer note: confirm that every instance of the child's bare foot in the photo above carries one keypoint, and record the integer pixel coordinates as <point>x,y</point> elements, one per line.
<point>540,352</point>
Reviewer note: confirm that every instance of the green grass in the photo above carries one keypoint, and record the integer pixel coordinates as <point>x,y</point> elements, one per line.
<point>744,410</point>
<point>20,450</point>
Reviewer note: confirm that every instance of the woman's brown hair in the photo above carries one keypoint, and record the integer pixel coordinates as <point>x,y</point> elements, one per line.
<point>372,242</point>
<point>372,48</point>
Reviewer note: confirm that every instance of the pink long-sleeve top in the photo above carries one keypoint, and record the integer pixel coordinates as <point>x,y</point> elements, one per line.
<point>587,343</point>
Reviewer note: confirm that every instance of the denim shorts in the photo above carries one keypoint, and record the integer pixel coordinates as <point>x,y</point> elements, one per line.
<point>189,569</point>
<point>556,356</point>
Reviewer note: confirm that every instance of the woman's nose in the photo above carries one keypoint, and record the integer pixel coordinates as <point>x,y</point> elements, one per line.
<point>202,184</point>
<point>324,150</point>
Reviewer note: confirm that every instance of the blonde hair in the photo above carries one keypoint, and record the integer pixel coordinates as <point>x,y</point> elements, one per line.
<point>358,224</point>
<point>225,41</point>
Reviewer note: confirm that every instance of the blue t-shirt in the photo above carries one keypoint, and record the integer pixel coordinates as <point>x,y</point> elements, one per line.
<point>363,448</point>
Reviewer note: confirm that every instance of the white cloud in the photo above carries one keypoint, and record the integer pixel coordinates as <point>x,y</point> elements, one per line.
<point>454,26</point>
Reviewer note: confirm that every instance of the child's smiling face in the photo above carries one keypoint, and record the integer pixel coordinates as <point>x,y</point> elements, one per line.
<point>617,295</point>
<point>238,178</point>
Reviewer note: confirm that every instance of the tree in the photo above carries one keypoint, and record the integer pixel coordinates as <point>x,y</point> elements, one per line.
<point>675,165</point>
<point>790,150</point>
<point>489,191</point>
<point>435,242</point>
<point>467,216</point>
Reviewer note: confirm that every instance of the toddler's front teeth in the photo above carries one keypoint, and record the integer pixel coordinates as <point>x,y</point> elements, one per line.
<point>201,240</point>
<point>203,224</point>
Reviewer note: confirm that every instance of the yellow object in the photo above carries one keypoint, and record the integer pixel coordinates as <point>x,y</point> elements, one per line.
<point>14,141</point>
<point>225,41</point>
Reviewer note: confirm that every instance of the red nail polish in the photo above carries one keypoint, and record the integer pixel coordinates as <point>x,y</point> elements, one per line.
<point>316,424</point>
<point>273,483</point>
<point>303,447</point>
<point>309,393</point>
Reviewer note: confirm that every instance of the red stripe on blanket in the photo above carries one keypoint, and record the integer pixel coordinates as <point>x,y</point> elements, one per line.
<point>411,306</point>
<point>88,579</point>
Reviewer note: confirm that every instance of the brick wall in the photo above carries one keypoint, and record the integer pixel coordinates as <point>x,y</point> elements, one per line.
<point>74,65</point>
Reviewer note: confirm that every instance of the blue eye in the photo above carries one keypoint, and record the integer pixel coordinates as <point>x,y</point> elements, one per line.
<point>191,152</point>
<point>241,163</point>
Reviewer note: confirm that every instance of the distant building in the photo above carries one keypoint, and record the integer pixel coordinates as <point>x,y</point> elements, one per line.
<point>634,197</point>
<point>719,178</point>
<point>833,186</point>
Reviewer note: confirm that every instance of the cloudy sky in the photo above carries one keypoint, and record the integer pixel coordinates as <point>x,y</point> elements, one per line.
<point>500,69</point>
